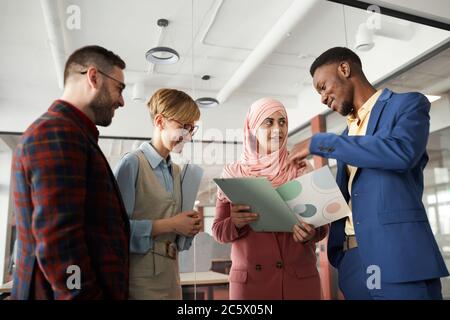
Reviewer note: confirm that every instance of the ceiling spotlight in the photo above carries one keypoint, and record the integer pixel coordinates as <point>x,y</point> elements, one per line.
<point>138,92</point>
<point>207,102</point>
<point>381,26</point>
<point>364,38</point>
<point>160,54</point>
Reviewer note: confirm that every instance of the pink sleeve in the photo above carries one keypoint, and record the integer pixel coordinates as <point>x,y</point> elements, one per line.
<point>223,228</point>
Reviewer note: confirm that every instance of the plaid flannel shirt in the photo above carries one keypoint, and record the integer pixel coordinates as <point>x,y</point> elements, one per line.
<point>69,212</point>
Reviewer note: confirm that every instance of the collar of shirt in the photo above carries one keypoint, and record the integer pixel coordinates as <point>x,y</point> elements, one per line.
<point>85,121</point>
<point>153,157</point>
<point>364,110</point>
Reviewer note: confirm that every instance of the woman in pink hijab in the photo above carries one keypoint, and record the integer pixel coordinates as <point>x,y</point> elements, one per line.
<point>267,265</point>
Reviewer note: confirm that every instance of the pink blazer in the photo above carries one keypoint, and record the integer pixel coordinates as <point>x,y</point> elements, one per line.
<point>268,265</point>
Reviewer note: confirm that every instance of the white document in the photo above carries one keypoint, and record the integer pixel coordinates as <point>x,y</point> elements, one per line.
<point>191,175</point>
<point>315,197</point>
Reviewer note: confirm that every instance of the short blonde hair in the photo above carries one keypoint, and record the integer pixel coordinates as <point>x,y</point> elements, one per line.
<point>173,104</point>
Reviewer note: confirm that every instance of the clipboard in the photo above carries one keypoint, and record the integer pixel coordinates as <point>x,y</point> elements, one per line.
<point>314,198</point>
<point>258,193</point>
<point>190,176</point>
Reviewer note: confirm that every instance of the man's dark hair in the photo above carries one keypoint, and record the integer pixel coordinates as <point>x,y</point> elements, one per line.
<point>335,55</point>
<point>88,56</point>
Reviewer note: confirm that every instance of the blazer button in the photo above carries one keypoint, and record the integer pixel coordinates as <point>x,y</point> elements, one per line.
<point>258,267</point>
<point>279,264</point>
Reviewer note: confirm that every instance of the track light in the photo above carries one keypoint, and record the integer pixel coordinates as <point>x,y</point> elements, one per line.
<point>381,26</point>
<point>364,38</point>
<point>138,92</point>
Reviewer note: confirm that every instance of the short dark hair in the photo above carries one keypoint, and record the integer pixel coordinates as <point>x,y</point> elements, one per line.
<point>92,56</point>
<point>335,55</point>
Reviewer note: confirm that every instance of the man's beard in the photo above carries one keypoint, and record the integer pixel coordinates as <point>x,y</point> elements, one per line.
<point>102,107</point>
<point>346,109</point>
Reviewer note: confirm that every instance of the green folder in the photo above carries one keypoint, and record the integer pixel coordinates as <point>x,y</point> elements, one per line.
<point>258,193</point>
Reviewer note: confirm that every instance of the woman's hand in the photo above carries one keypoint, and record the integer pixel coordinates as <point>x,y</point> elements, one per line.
<point>187,223</point>
<point>300,151</point>
<point>303,166</point>
<point>240,216</point>
<point>303,232</point>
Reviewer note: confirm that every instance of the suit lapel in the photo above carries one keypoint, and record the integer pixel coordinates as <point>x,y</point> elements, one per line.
<point>375,115</point>
<point>377,110</point>
<point>342,177</point>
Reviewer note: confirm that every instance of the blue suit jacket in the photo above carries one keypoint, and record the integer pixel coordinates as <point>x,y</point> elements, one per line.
<point>391,225</point>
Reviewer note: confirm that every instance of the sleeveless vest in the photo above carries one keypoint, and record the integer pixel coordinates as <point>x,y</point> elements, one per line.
<point>155,275</point>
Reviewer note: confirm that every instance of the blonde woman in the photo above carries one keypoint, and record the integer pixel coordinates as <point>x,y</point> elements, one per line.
<point>151,189</point>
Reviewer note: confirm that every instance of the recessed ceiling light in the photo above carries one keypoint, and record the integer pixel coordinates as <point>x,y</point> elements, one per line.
<point>207,102</point>
<point>432,98</point>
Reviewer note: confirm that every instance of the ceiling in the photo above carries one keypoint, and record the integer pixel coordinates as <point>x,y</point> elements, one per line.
<point>431,76</point>
<point>213,37</point>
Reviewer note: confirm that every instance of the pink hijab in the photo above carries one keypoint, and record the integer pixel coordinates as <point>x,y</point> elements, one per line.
<point>273,166</point>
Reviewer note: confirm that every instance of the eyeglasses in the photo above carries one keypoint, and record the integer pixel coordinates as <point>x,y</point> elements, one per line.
<point>122,85</point>
<point>188,127</point>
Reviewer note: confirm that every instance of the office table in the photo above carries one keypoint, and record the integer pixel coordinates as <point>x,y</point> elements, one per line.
<point>5,289</point>
<point>205,280</point>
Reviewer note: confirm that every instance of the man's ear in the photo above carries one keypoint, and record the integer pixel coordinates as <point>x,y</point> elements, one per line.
<point>344,69</point>
<point>93,78</point>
